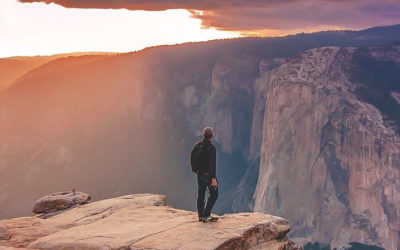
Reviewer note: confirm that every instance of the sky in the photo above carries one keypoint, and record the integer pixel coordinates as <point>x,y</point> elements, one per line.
<point>43,27</point>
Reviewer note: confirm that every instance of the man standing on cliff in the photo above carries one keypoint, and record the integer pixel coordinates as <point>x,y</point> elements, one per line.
<point>203,162</point>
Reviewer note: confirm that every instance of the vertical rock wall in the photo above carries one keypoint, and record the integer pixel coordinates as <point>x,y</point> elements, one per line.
<point>328,161</point>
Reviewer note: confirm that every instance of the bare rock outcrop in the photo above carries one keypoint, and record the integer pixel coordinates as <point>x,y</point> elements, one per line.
<point>329,160</point>
<point>59,201</point>
<point>144,221</point>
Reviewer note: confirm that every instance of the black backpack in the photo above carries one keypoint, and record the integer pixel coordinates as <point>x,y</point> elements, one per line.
<point>199,157</point>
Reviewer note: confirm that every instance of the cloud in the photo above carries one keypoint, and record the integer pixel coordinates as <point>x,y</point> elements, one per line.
<point>264,16</point>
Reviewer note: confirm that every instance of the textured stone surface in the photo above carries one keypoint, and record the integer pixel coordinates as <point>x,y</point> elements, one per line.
<point>4,234</point>
<point>143,221</point>
<point>59,201</point>
<point>11,248</point>
<point>328,160</point>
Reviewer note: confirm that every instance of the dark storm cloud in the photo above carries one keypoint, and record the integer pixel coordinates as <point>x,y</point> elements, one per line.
<point>256,15</point>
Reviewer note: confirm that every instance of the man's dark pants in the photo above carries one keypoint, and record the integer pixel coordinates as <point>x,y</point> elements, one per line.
<point>203,183</point>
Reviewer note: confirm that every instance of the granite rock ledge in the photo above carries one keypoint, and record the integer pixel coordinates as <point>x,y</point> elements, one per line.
<point>144,221</point>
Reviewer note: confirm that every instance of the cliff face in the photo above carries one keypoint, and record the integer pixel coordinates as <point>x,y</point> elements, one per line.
<point>329,160</point>
<point>143,221</point>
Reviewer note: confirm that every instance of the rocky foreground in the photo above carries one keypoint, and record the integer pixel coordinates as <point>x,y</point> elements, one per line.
<point>142,221</point>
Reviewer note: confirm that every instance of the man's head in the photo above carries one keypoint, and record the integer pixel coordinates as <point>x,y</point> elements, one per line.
<point>208,133</point>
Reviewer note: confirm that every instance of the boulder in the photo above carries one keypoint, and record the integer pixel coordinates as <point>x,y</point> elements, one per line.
<point>4,234</point>
<point>144,221</point>
<point>58,201</point>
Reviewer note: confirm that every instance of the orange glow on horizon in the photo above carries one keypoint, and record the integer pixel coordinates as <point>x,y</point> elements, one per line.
<point>280,33</point>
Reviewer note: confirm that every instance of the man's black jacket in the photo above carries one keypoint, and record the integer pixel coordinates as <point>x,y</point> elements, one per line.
<point>212,157</point>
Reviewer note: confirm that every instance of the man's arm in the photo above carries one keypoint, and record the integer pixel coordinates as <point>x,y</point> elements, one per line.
<point>213,162</point>
<point>191,158</point>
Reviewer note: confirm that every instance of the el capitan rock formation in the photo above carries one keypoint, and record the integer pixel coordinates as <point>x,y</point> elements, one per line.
<point>336,178</point>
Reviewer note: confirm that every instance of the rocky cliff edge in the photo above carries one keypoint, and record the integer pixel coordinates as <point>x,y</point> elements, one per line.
<point>143,221</point>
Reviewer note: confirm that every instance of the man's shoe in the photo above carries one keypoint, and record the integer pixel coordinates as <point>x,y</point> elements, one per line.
<point>210,219</point>
<point>201,219</point>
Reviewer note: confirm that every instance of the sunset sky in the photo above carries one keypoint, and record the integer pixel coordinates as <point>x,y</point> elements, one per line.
<point>43,27</point>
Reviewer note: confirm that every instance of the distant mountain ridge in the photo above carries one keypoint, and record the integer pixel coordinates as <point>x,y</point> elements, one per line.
<point>124,123</point>
<point>11,68</point>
